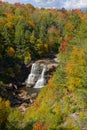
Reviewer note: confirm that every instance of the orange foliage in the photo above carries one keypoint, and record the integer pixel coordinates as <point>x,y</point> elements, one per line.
<point>84,16</point>
<point>35,103</point>
<point>11,51</point>
<point>38,126</point>
<point>78,12</point>
<point>68,38</point>
<point>9,24</point>
<point>69,26</point>
<point>10,16</point>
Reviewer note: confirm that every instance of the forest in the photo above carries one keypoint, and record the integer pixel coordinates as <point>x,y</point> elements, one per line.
<point>27,34</point>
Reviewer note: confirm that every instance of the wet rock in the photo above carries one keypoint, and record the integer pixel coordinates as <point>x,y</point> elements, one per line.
<point>52,66</point>
<point>29,85</point>
<point>33,95</point>
<point>56,60</point>
<point>22,92</point>
<point>23,107</point>
<point>15,86</point>
<point>31,101</point>
<point>10,85</point>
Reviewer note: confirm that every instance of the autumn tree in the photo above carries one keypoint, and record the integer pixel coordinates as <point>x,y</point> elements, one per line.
<point>76,69</point>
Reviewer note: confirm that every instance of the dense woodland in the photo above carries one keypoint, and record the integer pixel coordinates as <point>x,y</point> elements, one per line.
<point>28,33</point>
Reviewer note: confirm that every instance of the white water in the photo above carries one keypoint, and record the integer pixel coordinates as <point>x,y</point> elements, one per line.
<point>34,74</point>
<point>41,82</point>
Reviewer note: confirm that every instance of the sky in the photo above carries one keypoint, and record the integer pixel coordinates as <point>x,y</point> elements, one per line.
<point>67,4</point>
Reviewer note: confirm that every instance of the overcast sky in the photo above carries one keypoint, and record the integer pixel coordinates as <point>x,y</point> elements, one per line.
<point>68,4</point>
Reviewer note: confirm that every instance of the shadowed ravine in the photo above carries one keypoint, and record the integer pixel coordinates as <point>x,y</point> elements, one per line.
<point>24,95</point>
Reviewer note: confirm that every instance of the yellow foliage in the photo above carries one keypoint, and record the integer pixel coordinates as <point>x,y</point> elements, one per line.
<point>2,22</point>
<point>11,52</point>
<point>71,83</point>
<point>4,110</point>
<point>69,26</point>
<point>32,39</point>
<point>52,85</point>
<point>42,48</point>
<point>57,109</point>
<point>77,56</point>
<point>7,103</point>
<point>60,39</point>
<point>75,68</point>
<point>64,99</point>
<point>9,24</point>
<point>10,17</point>
<point>27,57</point>
<point>31,23</point>
<point>46,47</point>
<point>51,39</point>
<point>69,68</point>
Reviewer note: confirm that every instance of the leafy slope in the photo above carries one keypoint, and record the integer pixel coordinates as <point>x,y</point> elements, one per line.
<point>62,104</point>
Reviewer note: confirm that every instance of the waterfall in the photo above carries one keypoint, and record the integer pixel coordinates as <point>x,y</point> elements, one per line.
<point>34,74</point>
<point>41,81</point>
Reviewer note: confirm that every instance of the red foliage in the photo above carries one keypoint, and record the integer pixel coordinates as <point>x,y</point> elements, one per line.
<point>19,5</point>
<point>69,38</point>
<point>64,44</point>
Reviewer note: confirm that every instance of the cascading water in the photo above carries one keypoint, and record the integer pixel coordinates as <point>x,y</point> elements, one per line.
<point>34,74</point>
<point>41,81</point>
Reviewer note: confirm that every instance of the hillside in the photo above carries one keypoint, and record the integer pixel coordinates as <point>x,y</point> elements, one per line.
<point>28,34</point>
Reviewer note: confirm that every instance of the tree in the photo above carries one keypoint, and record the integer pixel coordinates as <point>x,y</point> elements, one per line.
<point>76,69</point>
<point>4,112</point>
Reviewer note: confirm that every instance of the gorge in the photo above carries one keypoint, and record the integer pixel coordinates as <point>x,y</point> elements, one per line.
<point>40,72</point>
<point>23,94</point>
